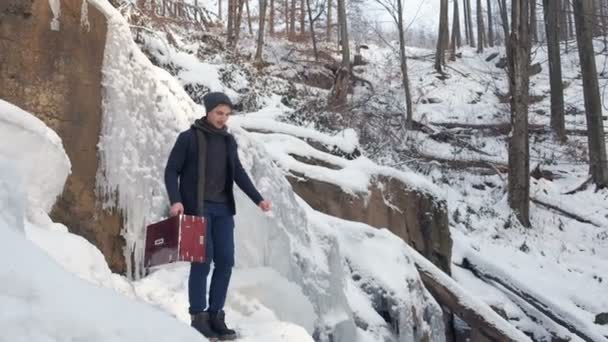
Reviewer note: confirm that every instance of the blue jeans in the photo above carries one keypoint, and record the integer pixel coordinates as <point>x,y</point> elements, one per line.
<point>220,250</point>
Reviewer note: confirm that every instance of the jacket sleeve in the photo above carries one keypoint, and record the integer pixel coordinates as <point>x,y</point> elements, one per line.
<point>173,170</point>
<point>241,178</point>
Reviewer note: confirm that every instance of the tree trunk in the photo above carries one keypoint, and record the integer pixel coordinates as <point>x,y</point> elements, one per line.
<point>230,24</point>
<point>271,19</point>
<point>403,59</point>
<point>443,37</point>
<point>456,39</point>
<point>328,28</point>
<point>469,23</point>
<point>604,22</point>
<point>248,17</point>
<point>569,14</point>
<point>287,18</point>
<point>533,27</point>
<point>237,22</point>
<point>467,34</point>
<point>551,13</point>
<point>519,154</point>
<point>260,46</point>
<point>490,24</point>
<point>339,92</point>
<point>504,18</point>
<point>480,29</point>
<point>312,30</point>
<point>598,167</point>
<point>219,9</point>
<point>292,20</point>
<point>302,17</point>
<point>563,20</point>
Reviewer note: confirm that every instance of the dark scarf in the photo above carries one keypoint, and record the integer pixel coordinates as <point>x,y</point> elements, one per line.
<point>202,127</point>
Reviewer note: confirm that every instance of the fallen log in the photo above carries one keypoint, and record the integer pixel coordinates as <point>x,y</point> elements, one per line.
<point>545,308</point>
<point>473,311</point>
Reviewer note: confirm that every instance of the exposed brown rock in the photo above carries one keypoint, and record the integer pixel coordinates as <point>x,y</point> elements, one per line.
<point>56,75</point>
<point>416,217</point>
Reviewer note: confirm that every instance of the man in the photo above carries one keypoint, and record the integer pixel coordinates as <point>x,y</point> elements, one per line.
<point>206,163</point>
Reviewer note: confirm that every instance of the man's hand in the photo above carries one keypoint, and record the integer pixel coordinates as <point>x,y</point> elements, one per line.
<point>265,206</point>
<point>176,209</point>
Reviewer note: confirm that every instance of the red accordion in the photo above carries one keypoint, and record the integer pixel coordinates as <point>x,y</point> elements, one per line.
<point>179,238</point>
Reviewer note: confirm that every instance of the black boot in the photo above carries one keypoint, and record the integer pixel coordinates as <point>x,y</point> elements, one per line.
<point>218,324</point>
<point>202,323</point>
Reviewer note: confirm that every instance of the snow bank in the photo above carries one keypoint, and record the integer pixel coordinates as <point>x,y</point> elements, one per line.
<point>38,155</point>
<point>35,174</point>
<point>12,196</point>
<point>42,302</point>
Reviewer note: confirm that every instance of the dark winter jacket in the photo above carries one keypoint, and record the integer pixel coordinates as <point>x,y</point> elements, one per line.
<point>182,173</point>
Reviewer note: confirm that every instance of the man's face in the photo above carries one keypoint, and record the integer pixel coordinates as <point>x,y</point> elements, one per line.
<point>219,115</point>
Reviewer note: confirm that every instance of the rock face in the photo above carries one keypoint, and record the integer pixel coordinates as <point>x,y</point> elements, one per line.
<point>417,218</point>
<point>56,75</point>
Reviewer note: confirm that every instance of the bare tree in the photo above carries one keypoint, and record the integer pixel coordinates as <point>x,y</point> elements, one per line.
<point>248,17</point>
<point>490,24</point>
<point>320,8</point>
<point>339,92</point>
<point>564,34</point>
<point>504,18</point>
<point>395,10</point>
<point>219,9</point>
<point>598,166</point>
<point>481,32</point>
<point>239,4</point>
<point>604,22</point>
<point>570,19</point>
<point>469,23</point>
<point>467,34</point>
<point>231,16</point>
<point>403,59</point>
<point>271,18</point>
<point>328,27</point>
<point>292,19</point>
<point>456,38</point>
<point>260,46</point>
<point>518,54</point>
<point>302,17</point>
<point>551,10</point>
<point>287,18</point>
<point>533,24</point>
<point>443,37</point>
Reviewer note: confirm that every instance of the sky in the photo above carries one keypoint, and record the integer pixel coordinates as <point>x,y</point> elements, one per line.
<point>420,14</point>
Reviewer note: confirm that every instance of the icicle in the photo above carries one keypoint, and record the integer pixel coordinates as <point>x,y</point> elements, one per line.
<point>56,9</point>
<point>84,15</point>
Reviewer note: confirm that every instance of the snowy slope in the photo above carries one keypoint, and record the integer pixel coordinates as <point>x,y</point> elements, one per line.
<point>561,259</point>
